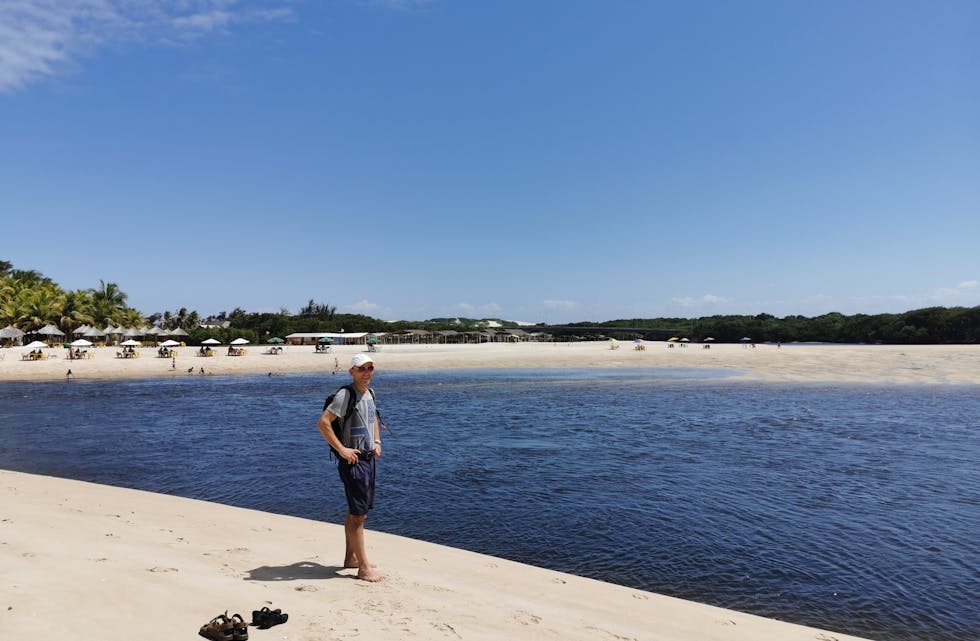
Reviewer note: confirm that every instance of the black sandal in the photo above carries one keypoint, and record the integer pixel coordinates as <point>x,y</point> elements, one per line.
<point>265,618</point>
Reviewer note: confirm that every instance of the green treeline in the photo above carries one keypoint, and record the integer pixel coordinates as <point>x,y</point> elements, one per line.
<point>29,300</point>
<point>930,325</point>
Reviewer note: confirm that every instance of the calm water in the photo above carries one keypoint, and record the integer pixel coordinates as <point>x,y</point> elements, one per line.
<point>849,508</point>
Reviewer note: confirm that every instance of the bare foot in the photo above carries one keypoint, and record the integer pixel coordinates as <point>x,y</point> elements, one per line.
<point>368,573</point>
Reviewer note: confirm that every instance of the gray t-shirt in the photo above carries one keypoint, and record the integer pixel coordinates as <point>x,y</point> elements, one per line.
<point>358,433</point>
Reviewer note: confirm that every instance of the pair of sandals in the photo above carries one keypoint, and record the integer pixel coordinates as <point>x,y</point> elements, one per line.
<point>225,628</point>
<point>265,618</point>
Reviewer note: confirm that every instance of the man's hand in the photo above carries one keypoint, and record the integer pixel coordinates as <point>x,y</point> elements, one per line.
<point>349,454</point>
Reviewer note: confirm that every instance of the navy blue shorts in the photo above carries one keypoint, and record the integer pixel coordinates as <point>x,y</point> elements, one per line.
<point>358,485</point>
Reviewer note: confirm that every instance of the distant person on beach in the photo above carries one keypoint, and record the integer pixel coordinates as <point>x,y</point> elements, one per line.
<point>357,451</point>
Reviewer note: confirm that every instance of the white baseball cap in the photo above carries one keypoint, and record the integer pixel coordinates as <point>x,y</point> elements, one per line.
<point>360,359</point>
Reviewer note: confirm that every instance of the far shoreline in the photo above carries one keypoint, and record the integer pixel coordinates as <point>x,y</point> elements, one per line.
<point>765,362</point>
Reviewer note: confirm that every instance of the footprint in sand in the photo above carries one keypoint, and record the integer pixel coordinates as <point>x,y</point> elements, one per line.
<point>445,627</point>
<point>526,618</point>
<point>305,588</point>
<point>159,569</point>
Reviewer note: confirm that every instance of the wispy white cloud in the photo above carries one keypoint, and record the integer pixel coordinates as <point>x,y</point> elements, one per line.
<point>487,309</point>
<point>700,301</point>
<point>560,305</point>
<point>367,308</point>
<point>966,292</point>
<point>44,38</point>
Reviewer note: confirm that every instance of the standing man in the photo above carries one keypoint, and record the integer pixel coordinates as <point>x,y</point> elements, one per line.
<point>357,448</point>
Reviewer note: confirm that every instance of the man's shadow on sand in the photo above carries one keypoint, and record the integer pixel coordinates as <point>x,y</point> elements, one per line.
<point>301,571</point>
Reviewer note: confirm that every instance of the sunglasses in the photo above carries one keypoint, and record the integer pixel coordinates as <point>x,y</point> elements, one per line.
<point>365,368</point>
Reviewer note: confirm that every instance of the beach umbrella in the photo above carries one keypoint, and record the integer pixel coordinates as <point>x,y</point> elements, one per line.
<point>11,332</point>
<point>50,330</point>
<point>744,339</point>
<point>672,339</point>
<point>239,341</point>
<point>210,341</point>
<point>325,339</point>
<point>81,342</point>
<point>708,340</point>
<point>275,339</point>
<point>169,343</point>
<point>130,343</point>
<point>36,345</point>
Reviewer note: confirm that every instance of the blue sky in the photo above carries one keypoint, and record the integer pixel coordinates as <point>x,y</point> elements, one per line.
<point>540,161</point>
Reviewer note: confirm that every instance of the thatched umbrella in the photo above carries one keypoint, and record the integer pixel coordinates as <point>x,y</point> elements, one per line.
<point>11,332</point>
<point>49,330</point>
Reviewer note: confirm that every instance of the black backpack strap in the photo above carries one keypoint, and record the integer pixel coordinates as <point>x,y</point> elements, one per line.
<point>351,401</point>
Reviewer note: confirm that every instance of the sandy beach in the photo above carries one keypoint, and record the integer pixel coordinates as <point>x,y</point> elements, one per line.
<point>927,364</point>
<point>84,561</point>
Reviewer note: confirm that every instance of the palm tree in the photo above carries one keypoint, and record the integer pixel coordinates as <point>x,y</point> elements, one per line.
<point>111,294</point>
<point>130,317</point>
<point>39,306</point>
<point>103,313</point>
<point>77,310</point>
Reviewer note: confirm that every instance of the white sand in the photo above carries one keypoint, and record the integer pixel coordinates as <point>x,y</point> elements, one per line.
<point>789,363</point>
<point>88,562</point>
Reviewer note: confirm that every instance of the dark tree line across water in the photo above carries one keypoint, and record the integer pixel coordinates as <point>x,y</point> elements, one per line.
<point>930,325</point>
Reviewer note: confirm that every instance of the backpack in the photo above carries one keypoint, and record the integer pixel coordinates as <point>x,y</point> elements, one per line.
<point>337,424</point>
